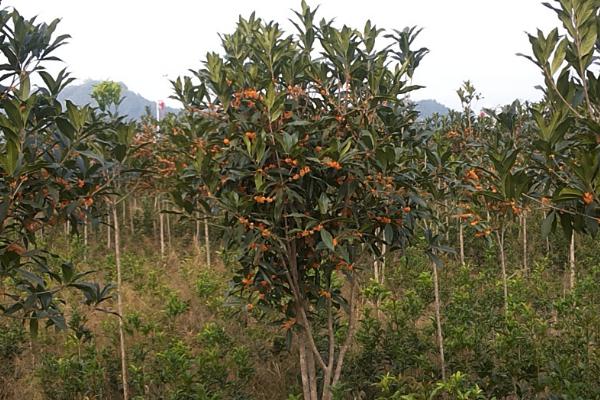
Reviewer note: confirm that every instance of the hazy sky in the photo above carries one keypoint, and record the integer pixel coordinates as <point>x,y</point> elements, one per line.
<point>146,42</point>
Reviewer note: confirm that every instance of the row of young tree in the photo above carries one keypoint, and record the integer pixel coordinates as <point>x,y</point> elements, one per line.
<point>304,154</point>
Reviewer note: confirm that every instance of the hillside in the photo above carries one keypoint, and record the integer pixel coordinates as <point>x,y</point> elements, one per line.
<point>134,105</point>
<point>429,107</point>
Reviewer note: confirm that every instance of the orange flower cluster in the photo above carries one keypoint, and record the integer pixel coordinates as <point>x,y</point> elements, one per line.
<point>309,232</point>
<point>343,265</point>
<point>248,280</point>
<point>263,199</point>
<point>334,164</point>
<point>472,175</point>
<point>588,198</point>
<point>383,220</point>
<point>386,181</point>
<point>169,166</point>
<point>465,216</point>
<point>262,247</point>
<point>251,135</point>
<point>303,171</point>
<point>250,95</point>
<point>16,248</point>
<point>287,325</point>
<point>484,233</point>
<point>295,91</point>
<point>63,182</point>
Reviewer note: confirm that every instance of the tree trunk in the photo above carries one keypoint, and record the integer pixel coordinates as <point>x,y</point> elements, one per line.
<point>85,234</point>
<point>161,220</point>
<point>376,262</point>
<point>120,303</point>
<point>108,232</point>
<point>307,369</point>
<point>207,241</point>
<point>169,243</point>
<point>500,236</point>
<point>438,320</point>
<point>524,225</point>
<point>124,215</point>
<point>154,227</point>
<point>303,369</point>
<point>197,233</point>
<point>572,262</point>
<point>133,208</point>
<point>461,242</point>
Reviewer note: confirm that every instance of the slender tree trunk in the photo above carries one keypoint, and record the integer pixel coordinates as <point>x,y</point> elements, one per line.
<point>154,226</point>
<point>161,220</point>
<point>304,368</point>
<point>312,375</point>
<point>572,262</point>
<point>168,216</point>
<point>108,232</point>
<point>447,218</point>
<point>197,233</point>
<point>207,241</point>
<point>133,207</point>
<point>124,215</point>
<point>307,369</point>
<point>327,374</point>
<point>500,236</point>
<point>85,234</point>
<point>376,262</point>
<point>524,233</point>
<point>438,320</point>
<point>382,264</point>
<point>120,303</point>
<point>461,242</point>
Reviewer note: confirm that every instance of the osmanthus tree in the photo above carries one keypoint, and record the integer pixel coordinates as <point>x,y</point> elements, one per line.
<point>568,121</point>
<point>501,185</point>
<point>568,155</point>
<point>305,144</point>
<point>50,172</point>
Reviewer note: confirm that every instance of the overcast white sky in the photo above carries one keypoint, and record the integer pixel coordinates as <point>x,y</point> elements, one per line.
<point>140,42</point>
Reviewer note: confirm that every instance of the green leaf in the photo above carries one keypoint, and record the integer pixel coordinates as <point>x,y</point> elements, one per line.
<point>388,234</point>
<point>559,56</point>
<point>588,42</point>
<point>327,239</point>
<point>12,157</point>
<point>323,203</point>
<point>548,223</point>
<point>567,194</point>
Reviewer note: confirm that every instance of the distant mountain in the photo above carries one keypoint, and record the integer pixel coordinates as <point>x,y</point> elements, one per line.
<point>133,106</point>
<point>429,107</point>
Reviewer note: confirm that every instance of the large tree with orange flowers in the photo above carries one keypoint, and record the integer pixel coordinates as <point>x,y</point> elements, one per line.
<point>310,156</point>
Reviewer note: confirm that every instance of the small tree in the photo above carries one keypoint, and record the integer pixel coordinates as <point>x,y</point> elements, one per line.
<point>107,94</point>
<point>568,121</point>
<point>50,172</point>
<point>309,157</point>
